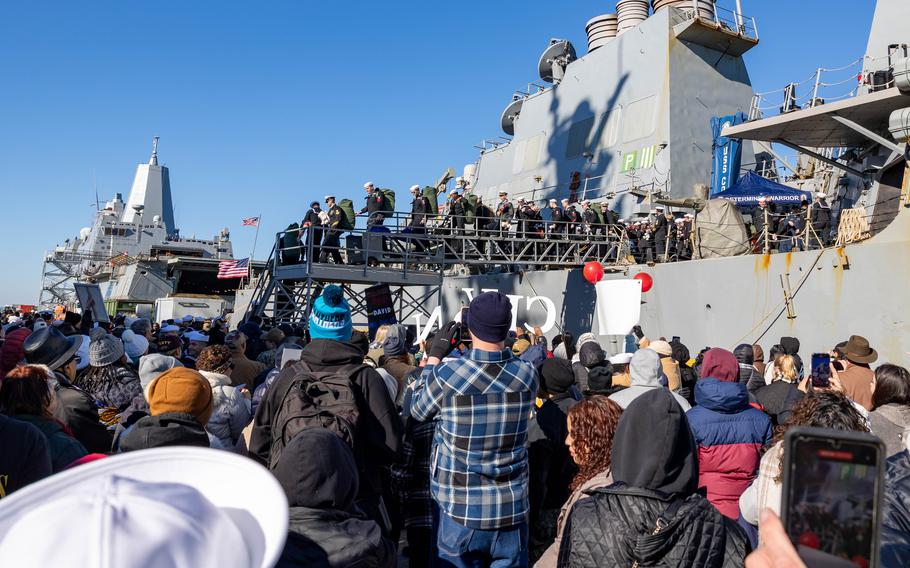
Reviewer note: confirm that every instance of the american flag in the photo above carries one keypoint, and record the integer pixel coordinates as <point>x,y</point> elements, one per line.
<point>234,268</point>
<point>251,222</point>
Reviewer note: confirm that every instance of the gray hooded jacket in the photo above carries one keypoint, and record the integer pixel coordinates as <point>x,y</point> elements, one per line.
<point>645,370</point>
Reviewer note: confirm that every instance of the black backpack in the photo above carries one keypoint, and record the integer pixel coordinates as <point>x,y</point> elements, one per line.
<point>316,399</point>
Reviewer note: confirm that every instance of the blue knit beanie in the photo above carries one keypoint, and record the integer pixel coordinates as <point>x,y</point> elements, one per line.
<point>490,316</point>
<point>331,316</point>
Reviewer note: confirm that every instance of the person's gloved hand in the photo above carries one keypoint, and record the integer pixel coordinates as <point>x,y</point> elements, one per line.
<point>445,340</point>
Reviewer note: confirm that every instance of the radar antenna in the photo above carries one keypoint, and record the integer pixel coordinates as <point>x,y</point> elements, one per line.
<point>555,59</point>
<point>510,115</point>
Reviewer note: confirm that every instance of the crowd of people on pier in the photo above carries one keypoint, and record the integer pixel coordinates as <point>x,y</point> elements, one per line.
<point>660,235</point>
<point>191,443</point>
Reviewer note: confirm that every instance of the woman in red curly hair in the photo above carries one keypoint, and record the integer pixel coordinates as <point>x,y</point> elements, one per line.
<point>591,425</point>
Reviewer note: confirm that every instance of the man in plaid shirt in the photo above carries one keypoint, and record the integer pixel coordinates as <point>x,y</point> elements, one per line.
<point>479,467</point>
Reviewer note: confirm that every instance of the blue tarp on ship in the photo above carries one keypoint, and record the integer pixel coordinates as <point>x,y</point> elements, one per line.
<point>752,186</point>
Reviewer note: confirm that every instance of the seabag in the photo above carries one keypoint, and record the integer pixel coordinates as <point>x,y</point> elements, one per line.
<point>349,217</point>
<point>430,194</point>
<point>388,200</point>
<point>316,399</point>
<point>470,208</point>
<point>598,209</point>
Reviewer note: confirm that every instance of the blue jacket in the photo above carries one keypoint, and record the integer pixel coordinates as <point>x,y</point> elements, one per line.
<point>730,435</point>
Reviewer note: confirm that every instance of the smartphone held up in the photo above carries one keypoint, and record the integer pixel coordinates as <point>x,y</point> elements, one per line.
<point>832,496</point>
<point>821,370</point>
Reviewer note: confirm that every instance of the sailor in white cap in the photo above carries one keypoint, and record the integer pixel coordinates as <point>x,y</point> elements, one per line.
<point>558,221</point>
<point>504,211</point>
<point>621,375</point>
<point>621,359</point>
<point>420,211</point>
<point>197,342</point>
<point>455,217</point>
<point>374,207</point>
<point>820,216</point>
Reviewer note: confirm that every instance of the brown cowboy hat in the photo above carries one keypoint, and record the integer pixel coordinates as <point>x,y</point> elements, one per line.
<point>857,350</point>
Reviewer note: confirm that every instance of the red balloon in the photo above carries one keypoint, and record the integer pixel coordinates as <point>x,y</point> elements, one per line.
<point>809,539</point>
<point>646,281</point>
<point>593,272</point>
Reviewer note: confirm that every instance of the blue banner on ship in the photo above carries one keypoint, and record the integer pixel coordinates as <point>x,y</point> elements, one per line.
<point>727,153</point>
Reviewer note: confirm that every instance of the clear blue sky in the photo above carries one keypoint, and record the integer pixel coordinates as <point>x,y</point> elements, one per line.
<point>263,106</point>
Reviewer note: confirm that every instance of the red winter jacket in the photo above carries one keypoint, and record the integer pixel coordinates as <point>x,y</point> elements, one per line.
<point>730,435</point>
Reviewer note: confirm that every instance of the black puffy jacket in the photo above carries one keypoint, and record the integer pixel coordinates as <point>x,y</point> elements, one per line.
<point>615,528</point>
<point>895,543</point>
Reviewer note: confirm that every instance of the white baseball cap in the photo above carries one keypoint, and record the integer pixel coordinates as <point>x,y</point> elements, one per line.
<point>176,506</point>
<point>415,188</point>
<point>368,185</point>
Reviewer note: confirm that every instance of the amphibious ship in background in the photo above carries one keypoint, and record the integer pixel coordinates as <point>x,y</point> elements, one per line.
<point>629,123</point>
<point>136,254</point>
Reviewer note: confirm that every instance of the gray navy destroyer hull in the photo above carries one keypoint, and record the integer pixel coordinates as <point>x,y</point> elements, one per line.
<point>859,288</point>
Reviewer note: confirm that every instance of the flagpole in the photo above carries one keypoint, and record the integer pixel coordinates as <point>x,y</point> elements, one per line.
<point>253,252</point>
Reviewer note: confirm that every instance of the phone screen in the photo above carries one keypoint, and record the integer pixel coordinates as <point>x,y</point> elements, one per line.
<point>831,499</point>
<point>821,370</point>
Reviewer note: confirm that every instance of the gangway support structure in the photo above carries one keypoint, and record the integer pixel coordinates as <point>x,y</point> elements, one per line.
<point>295,277</point>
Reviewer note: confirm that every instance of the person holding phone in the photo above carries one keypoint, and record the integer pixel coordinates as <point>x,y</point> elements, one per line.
<point>857,376</point>
<point>778,398</point>
<point>482,403</point>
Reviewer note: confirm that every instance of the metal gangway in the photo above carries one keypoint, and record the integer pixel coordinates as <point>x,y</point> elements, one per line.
<point>414,262</point>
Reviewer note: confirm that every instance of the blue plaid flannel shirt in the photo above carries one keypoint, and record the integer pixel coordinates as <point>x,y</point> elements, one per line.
<point>481,403</point>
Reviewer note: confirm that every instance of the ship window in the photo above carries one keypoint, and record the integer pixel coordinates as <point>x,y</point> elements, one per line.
<point>610,128</point>
<point>639,119</point>
<point>532,152</point>
<point>518,159</point>
<point>579,135</point>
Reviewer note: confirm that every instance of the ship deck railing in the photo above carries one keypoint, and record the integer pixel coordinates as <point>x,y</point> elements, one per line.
<point>393,252</point>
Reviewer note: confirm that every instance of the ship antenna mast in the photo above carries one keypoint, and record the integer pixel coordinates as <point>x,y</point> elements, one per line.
<point>95,181</point>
